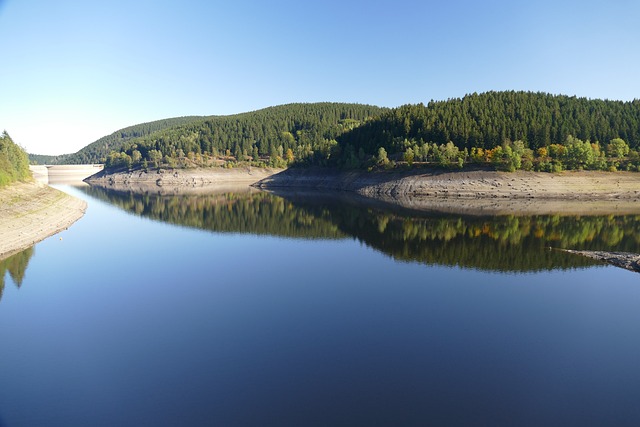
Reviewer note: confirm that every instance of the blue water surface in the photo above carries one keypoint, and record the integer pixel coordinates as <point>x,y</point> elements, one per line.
<point>123,320</point>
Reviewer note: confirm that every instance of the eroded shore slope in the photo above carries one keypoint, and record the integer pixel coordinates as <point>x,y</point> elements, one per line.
<point>31,212</point>
<point>470,191</point>
<point>478,191</point>
<point>179,181</point>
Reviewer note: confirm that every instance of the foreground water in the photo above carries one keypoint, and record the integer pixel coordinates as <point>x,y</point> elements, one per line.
<point>252,309</point>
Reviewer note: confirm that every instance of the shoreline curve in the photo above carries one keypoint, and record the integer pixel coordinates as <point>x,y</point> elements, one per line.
<point>472,191</point>
<point>31,211</point>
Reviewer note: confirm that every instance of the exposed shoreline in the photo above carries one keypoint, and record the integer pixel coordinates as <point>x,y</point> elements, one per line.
<point>478,192</point>
<point>180,181</point>
<point>467,184</point>
<point>627,260</point>
<point>31,211</point>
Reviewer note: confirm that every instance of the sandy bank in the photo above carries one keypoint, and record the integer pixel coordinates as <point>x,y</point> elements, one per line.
<point>180,181</point>
<point>31,212</point>
<point>479,192</point>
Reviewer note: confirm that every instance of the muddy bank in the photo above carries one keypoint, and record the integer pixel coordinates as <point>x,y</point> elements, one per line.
<point>180,181</point>
<point>31,212</point>
<point>478,192</point>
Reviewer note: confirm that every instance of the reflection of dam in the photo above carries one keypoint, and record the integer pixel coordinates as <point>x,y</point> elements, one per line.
<point>63,174</point>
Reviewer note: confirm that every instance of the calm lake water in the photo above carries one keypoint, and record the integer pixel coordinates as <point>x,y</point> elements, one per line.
<point>249,309</point>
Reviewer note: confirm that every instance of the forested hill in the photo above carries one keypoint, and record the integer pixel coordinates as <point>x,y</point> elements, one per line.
<point>508,130</point>
<point>487,120</point>
<point>97,151</point>
<point>275,135</point>
<point>14,163</point>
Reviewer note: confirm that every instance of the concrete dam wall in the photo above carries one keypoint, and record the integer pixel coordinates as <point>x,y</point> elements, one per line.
<point>64,174</point>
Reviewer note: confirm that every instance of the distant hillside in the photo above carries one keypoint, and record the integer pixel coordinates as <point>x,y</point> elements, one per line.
<point>553,130</point>
<point>45,159</point>
<point>274,136</point>
<point>486,120</point>
<point>14,162</point>
<point>504,130</point>
<point>97,151</point>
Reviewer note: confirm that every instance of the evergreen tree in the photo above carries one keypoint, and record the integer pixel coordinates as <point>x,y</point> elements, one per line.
<point>288,134</point>
<point>488,120</point>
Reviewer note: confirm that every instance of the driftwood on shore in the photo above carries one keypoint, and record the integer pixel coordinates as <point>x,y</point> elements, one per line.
<point>627,260</point>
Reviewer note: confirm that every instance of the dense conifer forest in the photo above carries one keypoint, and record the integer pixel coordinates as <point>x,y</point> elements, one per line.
<point>510,130</point>
<point>14,161</point>
<point>275,136</point>
<point>501,130</point>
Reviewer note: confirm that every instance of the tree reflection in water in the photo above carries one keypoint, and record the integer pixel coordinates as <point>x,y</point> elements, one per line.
<point>506,243</point>
<point>15,265</point>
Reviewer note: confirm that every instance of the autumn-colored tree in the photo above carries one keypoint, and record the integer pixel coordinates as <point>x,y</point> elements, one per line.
<point>617,148</point>
<point>289,156</point>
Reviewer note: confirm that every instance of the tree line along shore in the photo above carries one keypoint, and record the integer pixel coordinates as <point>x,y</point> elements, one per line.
<point>499,130</point>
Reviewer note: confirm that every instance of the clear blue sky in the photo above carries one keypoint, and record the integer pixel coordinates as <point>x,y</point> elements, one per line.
<point>73,71</point>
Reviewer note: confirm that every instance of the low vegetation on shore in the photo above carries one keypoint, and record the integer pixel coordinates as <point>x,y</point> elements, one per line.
<point>510,156</point>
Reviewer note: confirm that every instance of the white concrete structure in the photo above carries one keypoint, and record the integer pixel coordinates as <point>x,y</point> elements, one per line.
<point>63,174</point>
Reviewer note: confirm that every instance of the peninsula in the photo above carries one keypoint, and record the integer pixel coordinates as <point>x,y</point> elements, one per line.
<point>29,210</point>
<point>485,147</point>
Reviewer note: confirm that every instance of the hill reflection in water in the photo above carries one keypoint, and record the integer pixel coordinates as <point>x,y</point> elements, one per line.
<point>505,243</point>
<point>16,266</point>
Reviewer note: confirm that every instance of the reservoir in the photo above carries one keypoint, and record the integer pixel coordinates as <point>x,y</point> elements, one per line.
<point>246,308</point>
